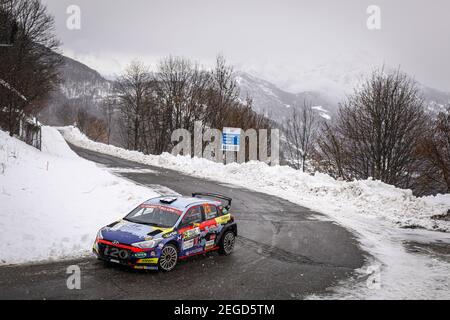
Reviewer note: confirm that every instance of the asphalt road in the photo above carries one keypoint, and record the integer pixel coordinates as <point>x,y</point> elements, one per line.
<point>282,252</point>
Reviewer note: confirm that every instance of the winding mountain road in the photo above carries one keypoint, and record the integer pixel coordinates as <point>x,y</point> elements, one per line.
<point>282,252</point>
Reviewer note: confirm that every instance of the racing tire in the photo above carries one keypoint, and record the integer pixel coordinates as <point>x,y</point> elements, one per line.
<point>169,258</point>
<point>227,243</point>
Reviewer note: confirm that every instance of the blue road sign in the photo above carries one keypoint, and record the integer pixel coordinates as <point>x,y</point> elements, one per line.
<point>231,138</point>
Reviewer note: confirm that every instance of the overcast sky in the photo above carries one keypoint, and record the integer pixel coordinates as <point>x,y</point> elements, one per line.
<point>260,34</point>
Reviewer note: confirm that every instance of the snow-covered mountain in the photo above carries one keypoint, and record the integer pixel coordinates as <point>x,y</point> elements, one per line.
<point>435,99</point>
<point>81,81</point>
<point>323,86</point>
<point>334,77</point>
<point>80,86</point>
<point>276,87</point>
<point>277,104</point>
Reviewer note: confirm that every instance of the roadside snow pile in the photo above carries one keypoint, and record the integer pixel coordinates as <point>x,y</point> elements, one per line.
<point>319,192</point>
<point>52,202</point>
<point>396,269</point>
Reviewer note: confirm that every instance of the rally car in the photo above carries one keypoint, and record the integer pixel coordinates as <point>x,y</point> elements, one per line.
<point>162,230</point>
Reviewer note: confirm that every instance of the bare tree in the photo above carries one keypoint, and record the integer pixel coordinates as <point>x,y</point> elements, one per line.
<point>82,120</point>
<point>97,129</point>
<point>377,131</point>
<point>434,151</point>
<point>91,126</point>
<point>223,93</point>
<point>181,95</point>
<point>132,89</point>
<point>330,155</point>
<point>108,107</point>
<point>175,96</point>
<point>301,133</point>
<point>67,113</point>
<point>29,64</point>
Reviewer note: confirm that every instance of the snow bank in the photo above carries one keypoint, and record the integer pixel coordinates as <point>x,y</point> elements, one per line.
<point>52,202</point>
<point>372,210</point>
<point>319,192</point>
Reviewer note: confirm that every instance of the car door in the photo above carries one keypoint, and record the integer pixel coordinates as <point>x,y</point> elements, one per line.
<point>209,227</point>
<point>190,231</point>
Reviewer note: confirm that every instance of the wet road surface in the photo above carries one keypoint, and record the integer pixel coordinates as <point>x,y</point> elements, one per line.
<point>282,252</point>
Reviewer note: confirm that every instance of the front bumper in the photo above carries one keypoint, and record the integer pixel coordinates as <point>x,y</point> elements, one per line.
<point>126,255</point>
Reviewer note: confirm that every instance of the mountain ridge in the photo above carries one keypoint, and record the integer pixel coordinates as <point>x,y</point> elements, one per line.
<point>86,86</point>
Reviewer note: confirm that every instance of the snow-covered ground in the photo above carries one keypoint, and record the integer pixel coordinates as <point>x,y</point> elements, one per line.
<point>375,212</point>
<point>52,203</point>
<point>319,192</point>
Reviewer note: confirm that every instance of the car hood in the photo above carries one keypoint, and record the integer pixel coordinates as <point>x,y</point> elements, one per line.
<point>127,232</point>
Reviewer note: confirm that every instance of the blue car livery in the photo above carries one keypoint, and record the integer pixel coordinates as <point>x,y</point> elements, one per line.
<point>160,231</point>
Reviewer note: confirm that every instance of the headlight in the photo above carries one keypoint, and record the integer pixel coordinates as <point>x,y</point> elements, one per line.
<point>146,244</point>
<point>99,234</point>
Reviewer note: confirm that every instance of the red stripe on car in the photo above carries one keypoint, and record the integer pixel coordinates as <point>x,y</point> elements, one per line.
<point>122,246</point>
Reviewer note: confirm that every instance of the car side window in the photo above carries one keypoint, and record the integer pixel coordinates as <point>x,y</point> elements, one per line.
<point>194,215</point>
<point>210,211</point>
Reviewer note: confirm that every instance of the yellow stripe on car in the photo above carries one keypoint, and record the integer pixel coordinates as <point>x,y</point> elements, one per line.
<point>165,230</point>
<point>223,219</point>
<point>148,260</point>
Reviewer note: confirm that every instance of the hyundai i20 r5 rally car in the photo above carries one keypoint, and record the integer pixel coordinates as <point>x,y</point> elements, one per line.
<point>162,230</point>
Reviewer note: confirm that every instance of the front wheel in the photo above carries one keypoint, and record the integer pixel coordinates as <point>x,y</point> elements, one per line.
<point>227,242</point>
<point>169,257</point>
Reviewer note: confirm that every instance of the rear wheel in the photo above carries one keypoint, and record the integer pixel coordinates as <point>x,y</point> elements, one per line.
<point>227,242</point>
<point>169,257</point>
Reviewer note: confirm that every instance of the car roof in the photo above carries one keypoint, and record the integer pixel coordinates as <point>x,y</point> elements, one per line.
<point>180,202</point>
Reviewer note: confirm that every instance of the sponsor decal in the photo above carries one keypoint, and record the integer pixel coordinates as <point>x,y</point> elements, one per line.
<point>140,254</point>
<point>116,253</point>
<point>146,267</point>
<point>209,244</point>
<point>194,251</point>
<point>170,234</point>
<point>223,219</point>
<point>148,261</point>
<point>211,228</point>
<point>191,233</point>
<point>165,208</point>
<point>188,244</point>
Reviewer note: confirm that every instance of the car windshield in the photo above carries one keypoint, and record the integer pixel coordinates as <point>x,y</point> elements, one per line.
<point>154,215</point>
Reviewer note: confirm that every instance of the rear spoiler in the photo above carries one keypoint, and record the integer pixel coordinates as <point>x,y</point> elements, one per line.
<point>214,195</point>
